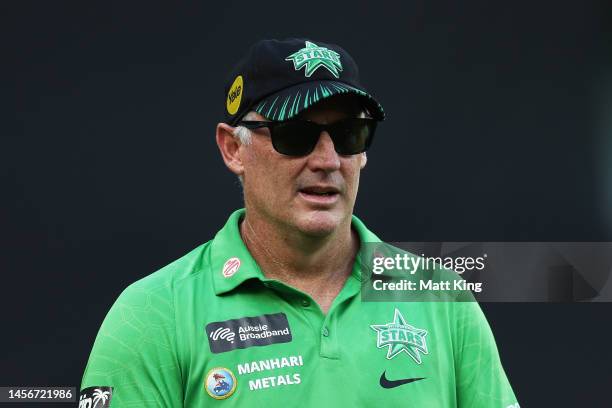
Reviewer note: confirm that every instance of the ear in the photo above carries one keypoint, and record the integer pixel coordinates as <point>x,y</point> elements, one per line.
<point>364,160</point>
<point>229,146</point>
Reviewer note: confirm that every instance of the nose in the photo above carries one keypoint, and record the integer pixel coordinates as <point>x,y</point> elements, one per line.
<point>324,157</point>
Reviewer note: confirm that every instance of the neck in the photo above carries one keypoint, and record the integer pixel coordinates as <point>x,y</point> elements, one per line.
<point>317,265</point>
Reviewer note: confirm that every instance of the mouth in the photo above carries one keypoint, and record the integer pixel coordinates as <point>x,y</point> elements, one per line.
<point>324,195</point>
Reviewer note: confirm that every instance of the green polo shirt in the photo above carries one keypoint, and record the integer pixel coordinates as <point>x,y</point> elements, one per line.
<point>210,330</point>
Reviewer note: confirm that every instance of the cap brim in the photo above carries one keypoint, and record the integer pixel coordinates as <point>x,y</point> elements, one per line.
<point>289,102</point>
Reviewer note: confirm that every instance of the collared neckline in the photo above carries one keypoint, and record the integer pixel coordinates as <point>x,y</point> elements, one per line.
<point>229,254</point>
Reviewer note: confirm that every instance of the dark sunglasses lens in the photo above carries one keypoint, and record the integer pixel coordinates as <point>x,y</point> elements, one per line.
<point>295,138</point>
<point>353,136</point>
<point>299,138</point>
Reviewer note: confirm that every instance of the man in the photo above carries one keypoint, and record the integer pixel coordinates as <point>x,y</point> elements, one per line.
<point>268,313</point>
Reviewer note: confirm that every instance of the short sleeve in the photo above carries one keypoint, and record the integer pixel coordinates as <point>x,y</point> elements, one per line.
<point>135,356</point>
<point>481,380</point>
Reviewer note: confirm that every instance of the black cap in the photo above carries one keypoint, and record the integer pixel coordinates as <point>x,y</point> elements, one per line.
<point>280,78</point>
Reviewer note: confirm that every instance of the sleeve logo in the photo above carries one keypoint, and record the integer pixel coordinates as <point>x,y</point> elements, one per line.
<point>96,397</point>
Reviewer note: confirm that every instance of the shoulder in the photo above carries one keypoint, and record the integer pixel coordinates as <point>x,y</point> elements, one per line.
<point>172,275</point>
<point>143,316</point>
<point>150,302</point>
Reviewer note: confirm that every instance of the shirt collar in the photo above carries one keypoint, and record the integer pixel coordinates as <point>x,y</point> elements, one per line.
<point>232,264</point>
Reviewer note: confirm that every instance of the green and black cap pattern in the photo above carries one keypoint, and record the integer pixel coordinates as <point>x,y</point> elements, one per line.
<point>281,78</point>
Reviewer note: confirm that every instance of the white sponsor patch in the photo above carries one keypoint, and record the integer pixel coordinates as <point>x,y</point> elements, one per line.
<point>231,267</point>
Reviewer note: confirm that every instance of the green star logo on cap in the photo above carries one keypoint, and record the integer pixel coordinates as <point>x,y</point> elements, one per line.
<point>312,56</point>
<point>400,336</point>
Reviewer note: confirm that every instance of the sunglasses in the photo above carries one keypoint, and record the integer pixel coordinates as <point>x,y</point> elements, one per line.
<point>299,137</point>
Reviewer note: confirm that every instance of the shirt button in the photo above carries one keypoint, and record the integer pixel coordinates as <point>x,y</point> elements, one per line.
<point>305,302</point>
<point>325,331</point>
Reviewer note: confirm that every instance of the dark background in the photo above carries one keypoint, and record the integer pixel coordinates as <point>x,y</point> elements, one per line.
<point>499,128</point>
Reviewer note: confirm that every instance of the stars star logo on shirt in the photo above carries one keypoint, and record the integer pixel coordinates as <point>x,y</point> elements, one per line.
<point>400,337</point>
<point>313,57</point>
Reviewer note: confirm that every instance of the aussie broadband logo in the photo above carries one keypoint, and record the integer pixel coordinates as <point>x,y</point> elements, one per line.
<point>313,57</point>
<point>248,332</point>
<point>95,397</point>
<point>223,333</point>
<point>400,336</point>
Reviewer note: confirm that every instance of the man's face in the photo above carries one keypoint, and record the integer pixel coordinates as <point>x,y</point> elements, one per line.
<point>287,191</point>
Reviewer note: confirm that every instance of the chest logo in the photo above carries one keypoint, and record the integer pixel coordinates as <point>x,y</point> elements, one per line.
<point>220,383</point>
<point>399,336</point>
<point>248,332</point>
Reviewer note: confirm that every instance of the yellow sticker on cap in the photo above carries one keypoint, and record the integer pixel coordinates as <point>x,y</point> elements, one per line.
<point>234,96</point>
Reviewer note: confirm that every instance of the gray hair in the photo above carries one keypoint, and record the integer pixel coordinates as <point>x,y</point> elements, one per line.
<point>243,134</point>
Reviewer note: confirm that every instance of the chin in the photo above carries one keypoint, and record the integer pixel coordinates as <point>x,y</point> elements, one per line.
<point>319,223</point>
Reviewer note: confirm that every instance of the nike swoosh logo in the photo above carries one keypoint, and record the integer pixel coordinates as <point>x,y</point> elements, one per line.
<point>386,383</point>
